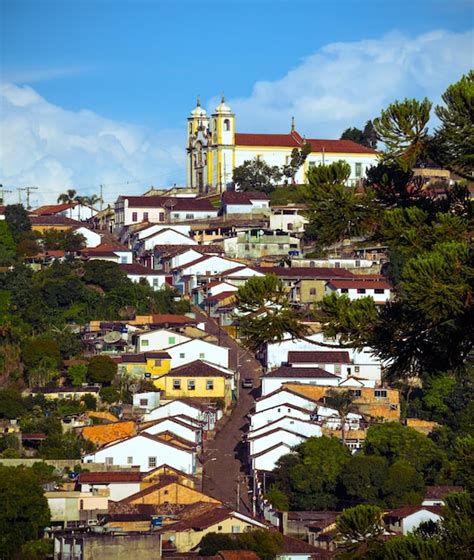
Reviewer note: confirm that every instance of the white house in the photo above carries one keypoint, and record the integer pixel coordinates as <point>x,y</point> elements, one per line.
<point>288,218</point>
<point>244,202</point>
<point>186,411</point>
<point>436,495</point>
<point>73,210</point>
<point>205,265</point>
<point>238,274</point>
<point>266,460</point>
<point>197,349</point>
<point>145,451</point>
<point>118,484</point>
<point>156,278</point>
<point>93,239</point>
<point>362,363</point>
<point>281,396</point>
<point>107,252</point>
<point>269,439</point>
<point>147,401</point>
<point>274,379</point>
<point>406,519</point>
<point>269,415</point>
<point>378,290</point>
<point>176,426</point>
<point>304,427</point>
<point>166,236</point>
<point>157,339</point>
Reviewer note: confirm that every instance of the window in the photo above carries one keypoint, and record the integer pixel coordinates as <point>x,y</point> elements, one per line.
<point>312,291</point>
<point>379,291</point>
<point>227,125</point>
<point>145,216</point>
<point>337,264</point>
<point>176,384</point>
<point>129,460</point>
<point>190,128</point>
<point>355,392</point>
<point>182,355</point>
<point>123,260</point>
<point>151,462</point>
<point>219,528</point>
<point>175,215</point>
<point>144,342</point>
<point>357,264</point>
<point>189,216</point>
<point>171,340</point>
<point>209,385</point>
<point>134,216</point>
<point>344,290</point>
<point>380,394</point>
<point>358,169</point>
<point>214,124</point>
<point>158,363</point>
<point>155,282</point>
<point>357,369</point>
<point>202,356</point>
<point>109,460</point>
<point>289,226</point>
<point>165,492</point>
<point>143,402</point>
<point>235,529</point>
<point>337,368</point>
<point>161,217</point>
<point>361,290</point>
<point>191,385</point>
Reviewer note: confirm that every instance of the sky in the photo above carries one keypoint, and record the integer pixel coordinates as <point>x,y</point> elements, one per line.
<point>98,91</point>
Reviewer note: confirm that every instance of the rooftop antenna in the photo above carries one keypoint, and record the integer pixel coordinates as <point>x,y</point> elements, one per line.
<point>292,124</point>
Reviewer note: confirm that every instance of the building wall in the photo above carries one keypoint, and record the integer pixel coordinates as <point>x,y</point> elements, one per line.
<point>173,494</point>
<point>288,222</point>
<point>221,389</point>
<point>266,416</point>
<point>311,290</point>
<point>123,547</point>
<point>92,238</point>
<point>268,461</point>
<point>308,429</point>
<point>198,350</point>
<point>157,340</point>
<point>117,491</point>
<point>270,384</point>
<point>155,281</point>
<point>260,444</point>
<point>178,429</point>
<point>281,398</point>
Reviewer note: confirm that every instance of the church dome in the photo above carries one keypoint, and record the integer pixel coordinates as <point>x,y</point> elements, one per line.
<point>223,108</point>
<point>198,111</point>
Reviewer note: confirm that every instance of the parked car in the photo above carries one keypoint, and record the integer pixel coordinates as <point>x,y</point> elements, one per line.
<point>247,383</point>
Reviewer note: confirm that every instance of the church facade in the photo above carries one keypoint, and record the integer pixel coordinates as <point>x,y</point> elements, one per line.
<point>215,149</point>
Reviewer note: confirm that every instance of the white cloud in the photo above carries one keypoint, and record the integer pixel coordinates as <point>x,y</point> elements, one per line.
<point>346,84</point>
<point>340,85</point>
<point>46,146</point>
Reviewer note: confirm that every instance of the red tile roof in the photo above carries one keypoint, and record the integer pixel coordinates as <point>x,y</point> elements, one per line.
<point>237,555</point>
<point>53,209</point>
<point>318,357</point>
<point>108,248</point>
<point>198,368</point>
<point>178,204</point>
<point>242,197</point>
<point>294,140</point>
<point>405,511</point>
<point>218,297</point>
<point>53,220</point>
<point>109,477</point>
<point>301,372</point>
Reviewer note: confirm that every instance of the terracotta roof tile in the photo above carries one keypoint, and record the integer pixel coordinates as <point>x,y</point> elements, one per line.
<point>296,272</point>
<point>318,357</point>
<point>198,368</point>
<point>110,477</point>
<point>108,433</point>
<point>405,511</point>
<point>242,197</point>
<point>359,284</point>
<point>301,372</point>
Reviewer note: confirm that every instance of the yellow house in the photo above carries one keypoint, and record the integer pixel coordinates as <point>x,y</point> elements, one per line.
<point>199,379</point>
<point>208,518</point>
<point>164,472</point>
<point>151,365</point>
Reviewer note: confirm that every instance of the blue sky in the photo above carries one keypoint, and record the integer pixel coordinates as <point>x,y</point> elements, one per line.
<point>98,90</point>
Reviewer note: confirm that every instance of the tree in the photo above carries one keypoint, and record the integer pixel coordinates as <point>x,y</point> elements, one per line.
<point>457,532</point>
<point>362,480</point>
<point>41,350</point>
<point>266,544</point>
<point>67,197</point>
<point>455,137</point>
<point>359,530</point>
<point>18,220</point>
<point>277,498</point>
<point>77,373</point>
<point>396,442</point>
<point>369,136</point>
<point>68,240</point>
<point>464,461</point>
<point>310,479</point>
<point>213,542</point>
<point>101,369</point>
<point>343,402</point>
<point>402,127</point>
<point>110,395</point>
<point>354,134</point>
<point>404,485</point>
<point>335,211</point>
<point>7,244</point>
<point>24,512</point>
<point>256,175</point>
<point>298,157</point>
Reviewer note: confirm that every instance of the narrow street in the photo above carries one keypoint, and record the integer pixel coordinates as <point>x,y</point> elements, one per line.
<point>225,463</point>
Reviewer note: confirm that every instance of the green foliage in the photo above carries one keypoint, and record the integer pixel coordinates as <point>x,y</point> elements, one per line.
<point>90,402</point>
<point>310,477</point>
<point>359,529</point>
<point>266,544</point>
<point>354,134</point>
<point>277,498</point>
<point>455,137</point>
<point>110,395</point>
<point>67,240</point>
<point>366,137</point>
<point>298,157</point>
<point>24,512</point>
<point>287,195</point>
<point>403,486</point>
<point>335,211</point>
<point>7,244</point>
<point>37,550</point>
<point>39,348</point>
<point>8,442</point>
<point>213,542</point>
<point>402,127</point>
<point>362,480</point>
<point>11,404</point>
<point>63,446</point>
<point>256,175</point>
<point>77,373</point>
<point>68,197</point>
<point>457,533</point>
<point>18,221</point>
<point>396,442</point>
<point>101,369</point>
<point>411,547</point>
<point>464,462</point>
<point>437,389</point>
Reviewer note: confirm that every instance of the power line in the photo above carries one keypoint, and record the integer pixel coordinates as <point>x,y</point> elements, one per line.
<point>2,194</point>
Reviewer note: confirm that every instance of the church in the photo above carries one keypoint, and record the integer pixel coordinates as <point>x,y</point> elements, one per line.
<point>215,149</point>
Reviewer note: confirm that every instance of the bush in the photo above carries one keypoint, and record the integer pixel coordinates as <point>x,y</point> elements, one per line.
<point>109,394</point>
<point>101,369</point>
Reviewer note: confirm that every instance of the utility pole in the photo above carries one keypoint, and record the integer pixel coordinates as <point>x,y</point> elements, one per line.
<point>237,504</point>
<point>19,194</point>
<point>28,192</point>
<point>2,194</point>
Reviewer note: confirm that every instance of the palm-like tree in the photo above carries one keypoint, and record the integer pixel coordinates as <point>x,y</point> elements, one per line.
<point>68,198</point>
<point>343,402</point>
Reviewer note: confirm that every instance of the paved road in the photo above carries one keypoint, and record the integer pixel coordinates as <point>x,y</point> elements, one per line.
<point>225,465</point>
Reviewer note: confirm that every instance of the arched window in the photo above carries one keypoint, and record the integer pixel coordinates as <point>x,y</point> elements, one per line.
<point>215,124</point>
<point>227,125</point>
<point>190,128</point>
